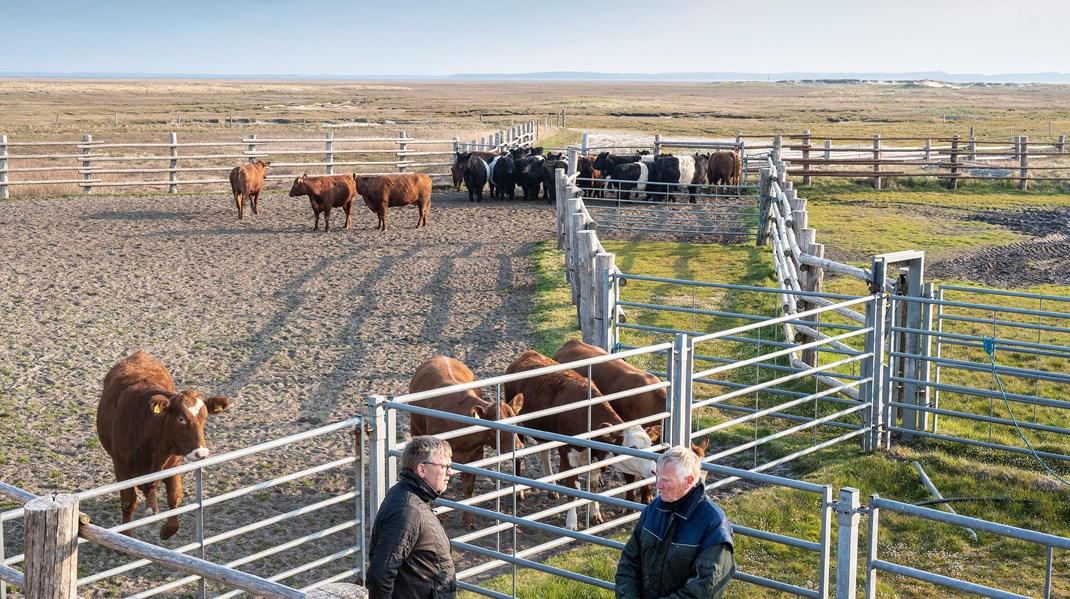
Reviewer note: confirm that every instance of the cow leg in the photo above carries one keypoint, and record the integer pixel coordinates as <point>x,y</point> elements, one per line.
<point>646,493</point>
<point>547,469</point>
<point>238,201</point>
<point>326,219</point>
<point>424,206</point>
<point>348,208</point>
<point>468,489</point>
<point>255,199</point>
<point>128,503</point>
<point>316,213</point>
<point>174,499</point>
<point>382,219</point>
<point>152,504</point>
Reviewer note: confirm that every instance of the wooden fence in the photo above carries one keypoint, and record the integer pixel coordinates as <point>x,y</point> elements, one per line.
<point>954,158</point>
<point>94,163</point>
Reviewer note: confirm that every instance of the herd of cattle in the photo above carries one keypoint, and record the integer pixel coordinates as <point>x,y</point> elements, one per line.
<point>657,175</point>
<point>146,425</point>
<point>337,191</point>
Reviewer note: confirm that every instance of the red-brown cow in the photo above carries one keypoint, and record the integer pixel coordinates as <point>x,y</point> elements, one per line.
<point>246,183</point>
<point>382,191</point>
<point>563,388</point>
<point>326,192</point>
<point>724,168</point>
<point>615,377</point>
<point>146,426</point>
<point>439,372</point>
<point>458,176</point>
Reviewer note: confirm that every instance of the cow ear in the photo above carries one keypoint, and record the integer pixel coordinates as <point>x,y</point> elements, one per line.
<point>703,445</point>
<point>654,432</point>
<point>518,403</point>
<point>216,404</point>
<point>267,163</point>
<point>607,436</point>
<point>479,412</point>
<point>159,404</point>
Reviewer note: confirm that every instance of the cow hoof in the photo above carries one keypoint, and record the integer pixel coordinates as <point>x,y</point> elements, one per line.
<point>552,494</point>
<point>167,531</point>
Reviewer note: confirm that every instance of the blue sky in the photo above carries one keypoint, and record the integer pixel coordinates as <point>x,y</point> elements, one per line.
<point>343,38</point>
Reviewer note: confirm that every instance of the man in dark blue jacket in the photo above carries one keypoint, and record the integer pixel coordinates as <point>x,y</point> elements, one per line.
<point>682,545</point>
<point>410,551</point>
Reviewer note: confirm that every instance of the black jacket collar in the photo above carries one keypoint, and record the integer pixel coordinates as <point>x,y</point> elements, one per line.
<point>418,485</point>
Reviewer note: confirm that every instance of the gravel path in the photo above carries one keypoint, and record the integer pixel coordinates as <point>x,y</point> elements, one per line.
<point>296,326</point>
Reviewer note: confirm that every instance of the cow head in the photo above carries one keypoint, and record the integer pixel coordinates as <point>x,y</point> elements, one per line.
<point>635,437</point>
<point>500,411</point>
<point>461,159</point>
<point>180,421</point>
<point>555,156</point>
<point>299,188</point>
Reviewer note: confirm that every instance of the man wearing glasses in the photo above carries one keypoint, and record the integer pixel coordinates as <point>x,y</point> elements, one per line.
<point>410,551</point>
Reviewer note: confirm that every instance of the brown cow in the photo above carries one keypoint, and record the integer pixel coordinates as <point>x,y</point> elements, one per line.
<point>146,426</point>
<point>326,192</point>
<point>615,377</point>
<point>246,182</point>
<point>563,388</point>
<point>458,176</point>
<point>439,372</point>
<point>381,191</point>
<point>724,168</point>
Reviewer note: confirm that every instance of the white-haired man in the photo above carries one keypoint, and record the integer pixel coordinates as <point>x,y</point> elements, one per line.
<point>682,544</point>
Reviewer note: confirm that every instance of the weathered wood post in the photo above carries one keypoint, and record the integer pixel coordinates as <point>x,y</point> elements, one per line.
<point>765,186</point>
<point>3,166</point>
<point>876,161</point>
<point>806,157</point>
<point>87,164</point>
<point>1016,150</point>
<point>403,149</point>
<point>1023,174</point>
<point>928,149</point>
<point>51,547</point>
<point>953,178</point>
<point>1061,146</point>
<point>777,142</point>
<point>329,158</point>
<point>603,269</point>
<point>828,149</point>
<point>657,144</point>
<point>251,147</point>
<point>173,163</point>
<point>973,145</point>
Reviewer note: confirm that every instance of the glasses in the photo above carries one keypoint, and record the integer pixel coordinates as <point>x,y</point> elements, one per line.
<point>443,466</point>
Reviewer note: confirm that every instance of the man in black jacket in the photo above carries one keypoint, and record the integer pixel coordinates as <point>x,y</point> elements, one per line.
<point>410,551</point>
<point>682,545</point>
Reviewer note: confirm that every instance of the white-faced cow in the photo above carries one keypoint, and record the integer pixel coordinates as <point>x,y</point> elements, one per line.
<point>402,189</point>
<point>439,372</point>
<point>146,426</point>
<point>324,193</point>
<point>615,377</point>
<point>564,388</point>
<point>246,182</point>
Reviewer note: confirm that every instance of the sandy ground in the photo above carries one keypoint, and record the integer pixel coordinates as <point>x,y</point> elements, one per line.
<point>296,326</point>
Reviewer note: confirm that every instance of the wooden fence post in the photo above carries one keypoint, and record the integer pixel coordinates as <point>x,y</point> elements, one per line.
<point>51,547</point>
<point>806,157</point>
<point>928,149</point>
<point>604,263</point>
<point>876,161</point>
<point>173,163</point>
<point>584,145</point>
<point>777,142</point>
<point>1017,151</point>
<point>1023,176</point>
<point>329,159</point>
<point>87,164</point>
<point>251,148</point>
<point>403,149</point>
<point>1062,144</point>
<point>3,166</point>
<point>953,179</point>
<point>973,145</point>
<point>828,149</point>
<point>657,144</point>
<point>765,184</point>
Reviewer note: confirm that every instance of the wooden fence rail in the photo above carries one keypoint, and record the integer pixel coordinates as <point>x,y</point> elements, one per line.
<point>95,163</point>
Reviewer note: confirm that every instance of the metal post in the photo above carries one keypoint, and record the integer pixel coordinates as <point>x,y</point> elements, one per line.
<point>51,525</point>
<point>330,153</point>
<point>87,176</point>
<point>583,145</point>
<point>871,549</point>
<point>403,149</point>
<point>680,373</point>
<point>872,368</point>
<point>199,524</point>
<point>3,168</point>
<point>171,176</point>
<point>828,510</point>
<point>847,516</point>
<point>657,144</point>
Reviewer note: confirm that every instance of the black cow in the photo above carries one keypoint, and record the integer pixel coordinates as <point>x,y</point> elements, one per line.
<point>529,176</point>
<point>475,174</point>
<point>503,176</point>
<point>549,185</point>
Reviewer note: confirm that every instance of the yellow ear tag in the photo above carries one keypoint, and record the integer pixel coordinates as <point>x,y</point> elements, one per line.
<point>218,408</point>
<point>156,409</point>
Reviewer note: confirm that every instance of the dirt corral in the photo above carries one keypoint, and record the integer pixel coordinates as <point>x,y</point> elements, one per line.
<point>296,326</point>
<point>1044,259</point>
